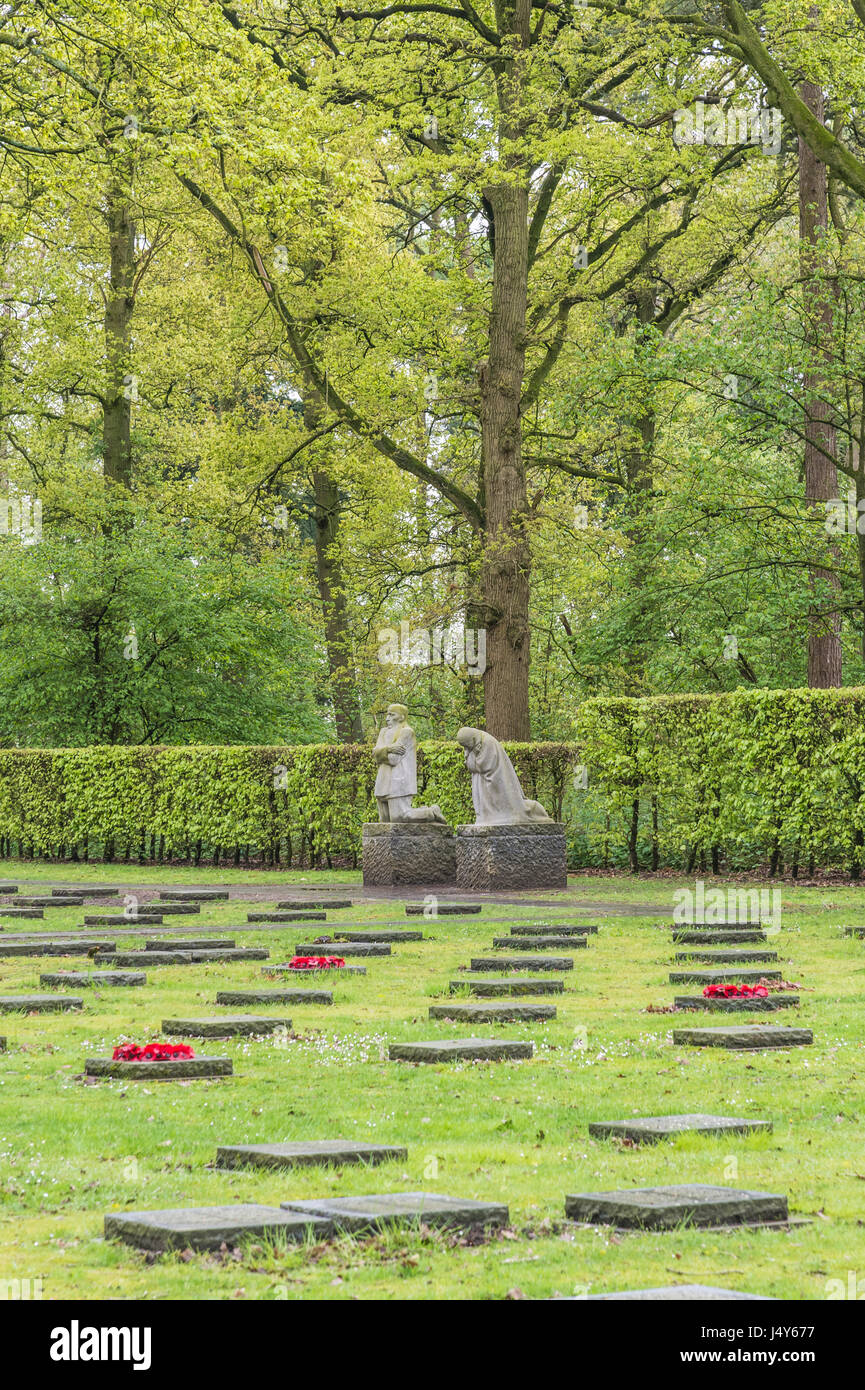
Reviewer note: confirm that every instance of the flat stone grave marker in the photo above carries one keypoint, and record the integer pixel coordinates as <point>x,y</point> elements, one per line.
<point>194,895</point>
<point>351,948</point>
<point>522,963</point>
<point>651,1129</point>
<point>313,969</point>
<point>8,887</point>
<point>207,1228</point>
<point>513,987</point>
<point>738,1036</point>
<point>53,948</point>
<point>191,943</point>
<point>690,1293</point>
<point>378,934</point>
<point>182,1069</point>
<point>730,922</point>
<point>769,1005</point>
<point>2,1044</point>
<point>122,919</point>
<point>309,1154</point>
<point>293,905</point>
<point>553,929</point>
<point>539,943</point>
<point>31,912</point>
<point>733,957</point>
<point>494,1012</point>
<point>94,977</point>
<point>688,1204</point>
<point>39,1003</point>
<point>720,977</point>
<point>170,909</point>
<point>730,936</point>
<point>274,996</point>
<point>148,958</point>
<point>461,1050</point>
<point>84,893</point>
<point>41,900</point>
<point>443,909</point>
<point>286,916</point>
<point>854,931</point>
<point>401,1208</point>
<point>240,1025</point>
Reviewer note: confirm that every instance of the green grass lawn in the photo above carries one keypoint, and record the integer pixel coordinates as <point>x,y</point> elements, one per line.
<point>71,1152</point>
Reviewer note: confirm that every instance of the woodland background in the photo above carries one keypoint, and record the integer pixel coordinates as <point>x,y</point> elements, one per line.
<point>315,321</point>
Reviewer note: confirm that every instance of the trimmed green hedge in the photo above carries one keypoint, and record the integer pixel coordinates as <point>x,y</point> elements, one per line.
<point>286,804</point>
<point>753,779</point>
<point>748,779</point>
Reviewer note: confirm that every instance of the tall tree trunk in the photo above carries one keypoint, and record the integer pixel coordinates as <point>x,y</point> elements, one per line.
<point>821,476</point>
<point>506,567</point>
<point>331,589</point>
<point>119,304</point>
<point>639,462</point>
<point>856,460</point>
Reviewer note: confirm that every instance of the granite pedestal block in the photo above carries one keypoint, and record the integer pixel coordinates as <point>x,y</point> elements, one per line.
<point>531,854</point>
<point>408,852</point>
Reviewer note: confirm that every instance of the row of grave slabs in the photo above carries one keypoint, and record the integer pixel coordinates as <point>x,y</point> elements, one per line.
<point>532,945</point>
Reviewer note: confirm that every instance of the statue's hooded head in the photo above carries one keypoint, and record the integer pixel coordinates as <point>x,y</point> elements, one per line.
<point>470,738</point>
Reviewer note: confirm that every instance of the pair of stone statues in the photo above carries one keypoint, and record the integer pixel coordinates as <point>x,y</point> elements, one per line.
<point>496,792</point>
